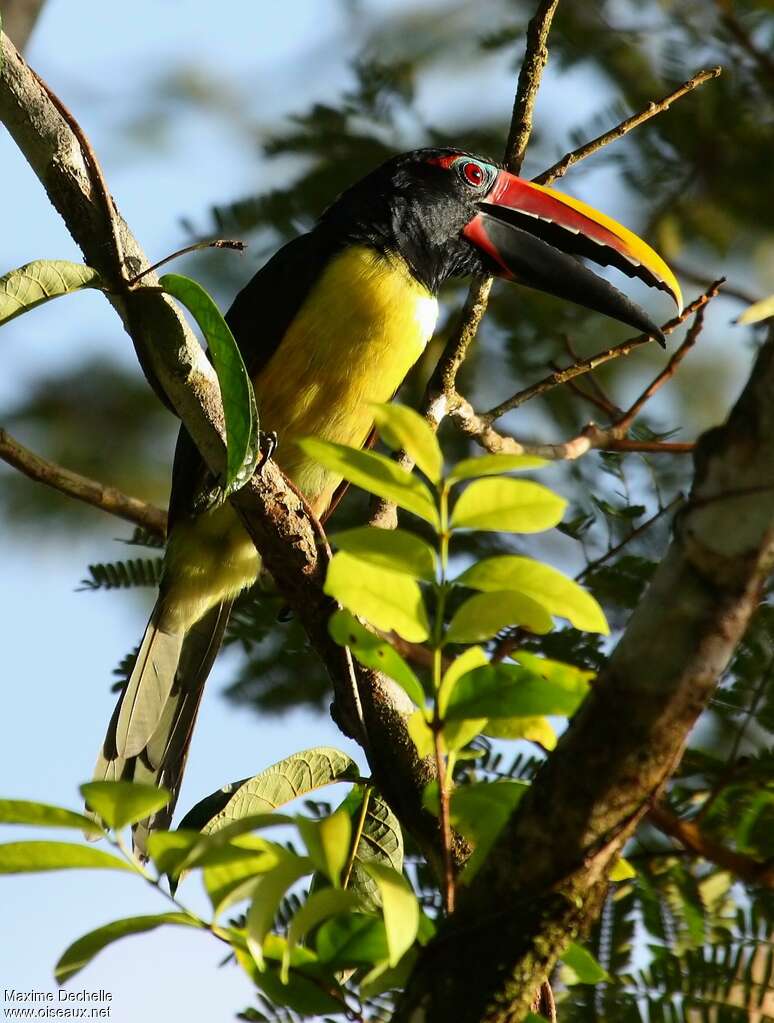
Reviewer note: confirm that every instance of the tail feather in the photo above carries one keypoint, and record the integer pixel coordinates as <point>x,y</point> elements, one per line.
<point>149,686</point>
<point>161,758</point>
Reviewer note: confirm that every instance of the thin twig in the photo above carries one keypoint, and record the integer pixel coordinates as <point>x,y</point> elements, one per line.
<point>689,273</point>
<point>560,168</point>
<point>218,243</point>
<point>72,484</point>
<point>642,528</point>
<point>446,837</point>
<point>560,377</point>
<point>666,373</point>
<point>445,374</point>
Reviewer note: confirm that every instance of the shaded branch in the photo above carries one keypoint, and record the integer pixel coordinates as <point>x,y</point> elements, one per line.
<point>691,837</point>
<point>560,168</point>
<point>72,484</point>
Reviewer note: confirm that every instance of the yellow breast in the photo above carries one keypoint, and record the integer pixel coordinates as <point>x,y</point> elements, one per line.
<point>359,332</point>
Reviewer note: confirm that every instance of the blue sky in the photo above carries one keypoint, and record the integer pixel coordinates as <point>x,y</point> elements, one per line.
<point>59,646</point>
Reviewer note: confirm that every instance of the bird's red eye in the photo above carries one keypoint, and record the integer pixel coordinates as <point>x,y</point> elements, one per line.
<point>473,173</point>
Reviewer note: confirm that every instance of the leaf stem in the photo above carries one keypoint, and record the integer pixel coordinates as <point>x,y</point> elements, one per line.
<point>367,790</point>
<point>437,724</point>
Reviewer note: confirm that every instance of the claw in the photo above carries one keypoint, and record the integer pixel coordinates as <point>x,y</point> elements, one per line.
<point>268,445</point>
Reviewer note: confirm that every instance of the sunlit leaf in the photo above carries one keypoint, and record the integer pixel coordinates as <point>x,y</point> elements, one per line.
<point>267,894</point>
<point>34,857</point>
<point>82,951</point>
<point>473,657</point>
<point>508,690</point>
<point>374,652</point>
<point>374,473</point>
<point>420,733</point>
<point>352,941</point>
<point>544,584</point>
<point>537,729</point>
<point>622,870</point>
<point>493,465</point>
<point>485,614</point>
<point>320,906</point>
<point>396,549</point>
<point>233,878</point>
<point>758,311</point>
<point>400,909</point>
<point>119,803</point>
<point>42,815</point>
<point>580,966</point>
<point>236,389</point>
<point>502,504</point>
<point>43,279</point>
<point>389,601</point>
<point>403,428</point>
<point>273,787</point>
<point>480,811</point>
<point>328,843</point>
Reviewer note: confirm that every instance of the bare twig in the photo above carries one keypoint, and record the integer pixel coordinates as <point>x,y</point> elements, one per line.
<point>689,273</point>
<point>447,886</point>
<point>669,370</point>
<point>559,377</point>
<point>689,835</point>
<point>642,528</point>
<point>72,484</point>
<point>217,243</point>
<point>560,168</point>
<point>445,374</point>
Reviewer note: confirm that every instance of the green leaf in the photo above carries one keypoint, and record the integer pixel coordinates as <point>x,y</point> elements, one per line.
<point>457,734</point>
<point>42,815</point>
<point>43,279</point>
<point>396,549</point>
<point>509,690</point>
<point>35,857</point>
<point>503,504</point>
<point>537,729</point>
<point>233,878</point>
<point>374,473</point>
<point>267,894</point>
<point>328,842</point>
<point>119,803</point>
<point>483,615</point>
<point>279,784</point>
<point>381,841</point>
<point>567,676</point>
<point>374,652</point>
<point>384,977</point>
<point>402,427</point>
<point>320,906</point>
<point>236,389</point>
<point>493,465</point>
<point>580,966</point>
<point>168,849</point>
<point>544,584</point>
<point>473,657</point>
<point>400,909</point>
<point>758,311</point>
<point>356,940</point>
<point>480,811</point>
<point>82,951</point>
<point>389,601</point>
<point>421,733</point>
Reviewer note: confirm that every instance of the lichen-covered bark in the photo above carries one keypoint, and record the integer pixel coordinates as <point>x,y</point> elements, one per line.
<point>543,882</point>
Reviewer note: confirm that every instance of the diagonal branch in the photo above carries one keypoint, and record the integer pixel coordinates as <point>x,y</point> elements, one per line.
<point>560,168</point>
<point>72,484</point>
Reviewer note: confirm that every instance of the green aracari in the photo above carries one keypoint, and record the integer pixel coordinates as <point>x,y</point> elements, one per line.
<point>328,327</point>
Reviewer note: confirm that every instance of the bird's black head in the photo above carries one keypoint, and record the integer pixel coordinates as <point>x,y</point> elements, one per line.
<point>449,214</point>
